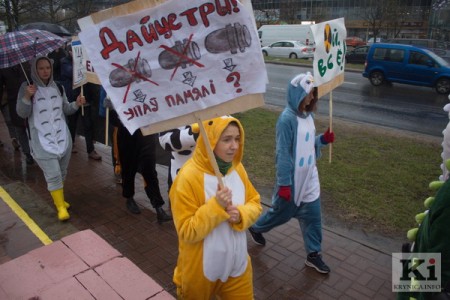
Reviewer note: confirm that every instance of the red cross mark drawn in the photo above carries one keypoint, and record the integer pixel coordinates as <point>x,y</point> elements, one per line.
<point>134,74</point>
<point>182,56</point>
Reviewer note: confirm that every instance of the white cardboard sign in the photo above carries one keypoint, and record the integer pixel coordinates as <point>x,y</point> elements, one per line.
<point>79,63</point>
<point>175,59</point>
<point>329,57</point>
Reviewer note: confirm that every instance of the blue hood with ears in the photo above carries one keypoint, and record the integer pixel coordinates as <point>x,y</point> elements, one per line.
<point>298,88</point>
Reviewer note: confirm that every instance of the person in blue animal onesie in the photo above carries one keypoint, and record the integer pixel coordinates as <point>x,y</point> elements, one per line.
<point>297,189</point>
<point>211,220</point>
<point>46,108</point>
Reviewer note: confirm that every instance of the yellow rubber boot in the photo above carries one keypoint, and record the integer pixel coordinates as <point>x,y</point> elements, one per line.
<point>66,204</point>
<point>58,199</point>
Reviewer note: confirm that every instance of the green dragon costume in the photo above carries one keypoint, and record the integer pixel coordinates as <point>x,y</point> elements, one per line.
<point>433,233</point>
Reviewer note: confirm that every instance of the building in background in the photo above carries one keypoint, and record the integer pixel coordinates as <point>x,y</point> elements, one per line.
<point>63,12</point>
<point>440,21</point>
<point>363,18</point>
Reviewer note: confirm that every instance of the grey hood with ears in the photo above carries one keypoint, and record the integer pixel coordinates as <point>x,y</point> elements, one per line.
<point>34,74</point>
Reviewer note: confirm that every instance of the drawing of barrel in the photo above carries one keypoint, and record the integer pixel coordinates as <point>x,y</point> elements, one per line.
<point>231,38</point>
<point>130,73</point>
<point>180,57</point>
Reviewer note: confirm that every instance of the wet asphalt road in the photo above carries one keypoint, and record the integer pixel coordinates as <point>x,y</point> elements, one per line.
<point>399,106</point>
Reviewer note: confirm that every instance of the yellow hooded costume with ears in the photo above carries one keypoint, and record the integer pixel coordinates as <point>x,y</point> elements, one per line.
<point>213,257</point>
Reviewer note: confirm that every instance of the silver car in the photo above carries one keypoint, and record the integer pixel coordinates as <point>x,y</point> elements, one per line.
<point>289,49</point>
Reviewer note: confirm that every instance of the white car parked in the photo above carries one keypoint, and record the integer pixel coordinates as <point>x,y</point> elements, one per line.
<point>370,41</point>
<point>290,49</point>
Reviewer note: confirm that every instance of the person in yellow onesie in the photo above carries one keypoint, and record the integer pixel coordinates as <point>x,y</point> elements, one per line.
<point>210,220</point>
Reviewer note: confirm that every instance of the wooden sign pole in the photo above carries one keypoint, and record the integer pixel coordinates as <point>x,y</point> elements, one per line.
<point>331,125</point>
<point>107,127</point>
<point>328,88</point>
<point>210,152</point>
<point>82,105</point>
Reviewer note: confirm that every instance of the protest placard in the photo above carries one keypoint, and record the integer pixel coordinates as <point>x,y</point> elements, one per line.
<point>329,60</point>
<point>329,57</point>
<point>89,72</point>
<point>79,63</point>
<point>166,64</point>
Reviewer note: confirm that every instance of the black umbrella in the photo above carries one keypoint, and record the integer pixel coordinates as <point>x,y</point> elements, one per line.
<point>50,27</point>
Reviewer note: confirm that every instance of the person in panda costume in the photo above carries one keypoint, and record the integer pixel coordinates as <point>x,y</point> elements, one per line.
<point>180,142</point>
<point>211,219</point>
<point>297,189</point>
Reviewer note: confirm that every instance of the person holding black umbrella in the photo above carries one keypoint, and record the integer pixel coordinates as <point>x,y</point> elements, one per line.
<point>16,48</point>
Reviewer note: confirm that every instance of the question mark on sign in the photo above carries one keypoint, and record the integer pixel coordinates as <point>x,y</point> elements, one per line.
<point>235,76</point>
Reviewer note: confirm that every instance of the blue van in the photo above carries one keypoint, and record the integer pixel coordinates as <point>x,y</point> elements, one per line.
<point>407,64</point>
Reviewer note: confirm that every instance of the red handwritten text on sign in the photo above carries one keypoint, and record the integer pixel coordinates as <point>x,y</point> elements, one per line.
<point>152,31</point>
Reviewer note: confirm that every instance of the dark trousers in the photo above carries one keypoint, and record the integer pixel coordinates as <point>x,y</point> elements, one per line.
<point>88,126</point>
<point>16,132</point>
<point>138,153</point>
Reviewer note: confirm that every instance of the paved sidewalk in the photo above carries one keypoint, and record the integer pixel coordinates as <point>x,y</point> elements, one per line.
<point>359,270</point>
<point>80,266</point>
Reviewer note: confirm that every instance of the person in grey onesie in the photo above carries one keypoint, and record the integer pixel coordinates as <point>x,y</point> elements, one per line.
<point>45,107</point>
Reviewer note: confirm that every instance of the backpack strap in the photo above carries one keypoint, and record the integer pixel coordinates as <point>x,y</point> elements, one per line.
<point>60,88</point>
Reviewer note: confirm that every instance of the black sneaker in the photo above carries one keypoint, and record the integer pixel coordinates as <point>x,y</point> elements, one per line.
<point>162,216</point>
<point>314,260</point>
<point>132,206</point>
<point>15,144</point>
<point>257,237</point>
<point>29,159</point>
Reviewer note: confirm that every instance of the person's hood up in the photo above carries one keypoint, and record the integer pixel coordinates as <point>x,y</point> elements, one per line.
<point>33,71</point>
<point>298,88</point>
<point>214,129</point>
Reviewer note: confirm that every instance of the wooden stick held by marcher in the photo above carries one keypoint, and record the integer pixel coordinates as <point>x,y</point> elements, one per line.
<point>25,73</point>
<point>82,105</point>
<point>106,126</point>
<point>331,125</point>
<point>210,152</point>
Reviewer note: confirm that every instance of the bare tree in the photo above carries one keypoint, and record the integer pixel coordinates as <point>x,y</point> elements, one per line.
<point>289,10</point>
<point>395,14</point>
<point>53,10</point>
<point>374,14</point>
<point>14,10</point>
<point>64,12</point>
<point>76,10</point>
<point>388,16</point>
